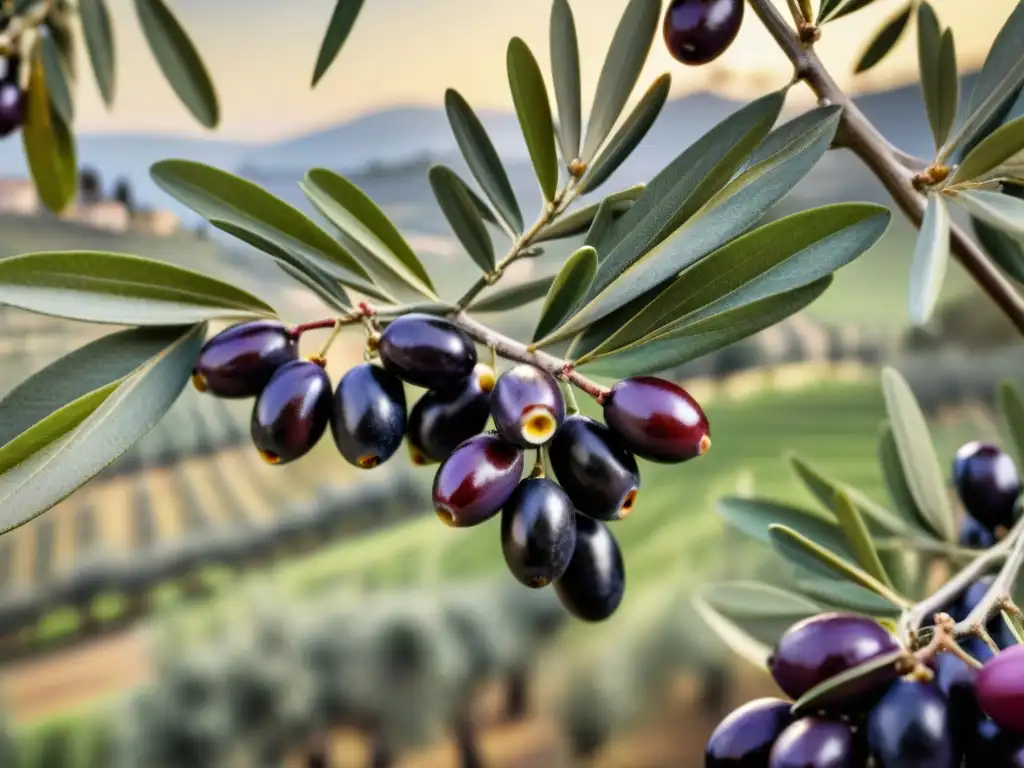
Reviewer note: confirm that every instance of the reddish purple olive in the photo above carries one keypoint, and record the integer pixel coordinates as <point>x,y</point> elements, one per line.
<point>911,727</point>
<point>592,587</point>
<point>427,351</point>
<point>745,737</point>
<point>12,107</point>
<point>698,31</point>
<point>476,480</point>
<point>538,532</point>
<point>988,484</point>
<point>368,418</point>
<point>527,406</point>
<point>974,535</point>
<point>816,743</point>
<point>1000,689</point>
<point>443,419</point>
<point>292,412</point>
<point>240,360</point>
<point>657,420</point>
<point>595,469</point>
<point>820,647</point>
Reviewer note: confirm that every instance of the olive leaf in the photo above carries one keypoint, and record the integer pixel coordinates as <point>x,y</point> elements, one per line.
<point>571,282</point>
<point>852,524</point>
<point>830,10</point>
<point>530,98</point>
<point>1006,251</point>
<point>179,60</point>
<point>49,143</point>
<point>456,203</point>
<point>600,226</point>
<point>514,296</point>
<point>101,287</point>
<point>754,517</point>
<point>839,687</point>
<point>931,259</point>
<point>917,453</point>
<point>57,78</point>
<point>581,219</point>
<point>621,69</point>
<point>846,596</point>
<point>761,610</point>
<point>738,641</point>
<point>1004,212</point>
<point>632,131</point>
<point>352,211</point>
<point>129,412</point>
<point>98,31</point>
<point>937,68</point>
<point>338,29</point>
<point>482,159</point>
<point>885,39</point>
<point>1011,412</point>
<point>565,66</point>
<point>896,485</point>
<point>995,155</point>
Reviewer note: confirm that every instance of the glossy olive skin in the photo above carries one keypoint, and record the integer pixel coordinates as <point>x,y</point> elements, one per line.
<point>745,737</point>
<point>292,412</point>
<point>988,484</point>
<point>698,31</point>
<point>955,680</point>
<point>992,747</point>
<point>527,406</point>
<point>12,107</point>
<point>1000,689</point>
<point>815,649</point>
<point>593,585</point>
<point>538,532</point>
<point>443,419</point>
<point>599,474</point>
<point>815,743</point>
<point>973,595</point>
<point>910,727</point>
<point>974,535</point>
<point>240,360</point>
<point>368,418</point>
<point>657,420</point>
<point>427,351</point>
<point>476,480</point>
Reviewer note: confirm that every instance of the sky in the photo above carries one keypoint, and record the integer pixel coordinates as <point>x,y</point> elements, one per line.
<point>261,53</point>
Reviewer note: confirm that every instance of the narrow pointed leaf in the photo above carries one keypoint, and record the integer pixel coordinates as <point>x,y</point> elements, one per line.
<point>738,641</point>
<point>754,517</point>
<point>999,210</point>
<point>1011,413</point>
<point>513,297</point>
<point>1001,153</point>
<point>179,60</point>
<point>896,483</point>
<point>836,12</point>
<point>530,97</point>
<point>99,41</point>
<point>101,287</point>
<point>837,688</point>
<point>57,79</point>
<point>49,144</point>
<point>1006,251</point>
<point>453,196</point>
<point>859,539</point>
<point>565,66</point>
<point>125,416</point>
<point>338,29</point>
<point>885,39</point>
<point>761,610</point>
<point>931,258</point>
<point>632,131</point>
<point>603,221</point>
<point>482,159</point>
<point>936,57</point>
<point>846,596</point>
<point>352,211</point>
<point>571,282</point>
<point>626,56</point>
<point>917,453</point>
<point>581,219</point>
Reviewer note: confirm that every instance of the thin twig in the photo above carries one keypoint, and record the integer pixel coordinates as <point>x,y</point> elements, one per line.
<point>1001,587</point>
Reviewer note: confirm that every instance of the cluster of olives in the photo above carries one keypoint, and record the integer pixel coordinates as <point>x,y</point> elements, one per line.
<point>552,531</point>
<point>961,716</point>
<point>12,97</point>
<point>698,31</point>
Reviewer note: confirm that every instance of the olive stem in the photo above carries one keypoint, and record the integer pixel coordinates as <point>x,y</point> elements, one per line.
<point>571,406</point>
<point>325,348</point>
<point>999,592</point>
<point>944,639</point>
<point>859,135</point>
<point>20,24</point>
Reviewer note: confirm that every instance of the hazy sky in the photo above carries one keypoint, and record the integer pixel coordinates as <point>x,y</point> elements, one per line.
<point>261,54</point>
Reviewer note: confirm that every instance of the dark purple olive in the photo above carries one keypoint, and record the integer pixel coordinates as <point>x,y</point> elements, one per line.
<point>292,412</point>
<point>974,535</point>
<point>657,420</point>
<point>592,586</point>
<point>427,351</point>
<point>441,420</point>
<point>995,626</point>
<point>476,480</point>
<point>538,532</point>
<point>992,747</point>
<point>911,727</point>
<point>596,471</point>
<point>820,647</point>
<point>12,107</point>
<point>1000,689</point>
<point>240,360</point>
<point>988,484</point>
<point>955,679</point>
<point>368,418</point>
<point>816,743</point>
<point>745,737</point>
<point>698,31</point>
<point>527,406</point>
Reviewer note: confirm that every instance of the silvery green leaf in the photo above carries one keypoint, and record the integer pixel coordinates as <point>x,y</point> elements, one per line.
<point>57,79</point>
<point>456,203</point>
<point>514,296</point>
<point>581,219</point>
<point>622,65</point>
<point>999,210</point>
<point>48,141</point>
<point>885,39</point>
<point>831,10</point>
<point>338,28</point>
<point>754,517</point>
<point>565,67</point>
<point>855,529</point>
<point>738,641</point>
<point>1004,250</point>
<point>931,257</point>
<point>896,483</point>
<point>530,97</point>
<point>571,282</point>
<point>99,41</point>
<point>1001,153</point>
<point>937,69</point>
<point>846,596</point>
<point>1011,413</point>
